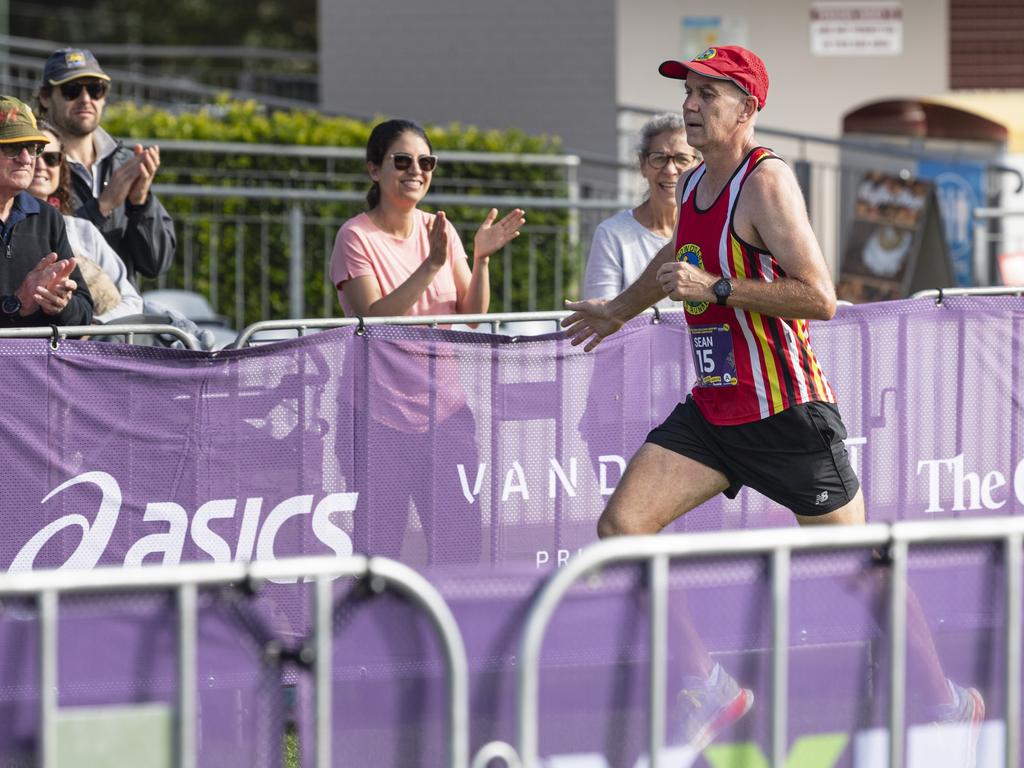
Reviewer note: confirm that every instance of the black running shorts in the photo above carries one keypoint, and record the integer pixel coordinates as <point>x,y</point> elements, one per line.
<point>796,458</point>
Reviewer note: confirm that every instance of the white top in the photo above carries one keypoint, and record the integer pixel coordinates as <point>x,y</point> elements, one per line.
<point>621,249</point>
<point>88,241</point>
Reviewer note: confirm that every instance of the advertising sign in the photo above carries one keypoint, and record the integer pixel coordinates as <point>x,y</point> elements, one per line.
<point>959,189</point>
<point>894,245</point>
<point>865,28</point>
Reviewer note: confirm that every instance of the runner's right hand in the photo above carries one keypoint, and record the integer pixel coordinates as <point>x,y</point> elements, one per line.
<point>591,321</point>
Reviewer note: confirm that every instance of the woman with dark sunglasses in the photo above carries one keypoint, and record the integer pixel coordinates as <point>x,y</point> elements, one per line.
<point>105,273</point>
<point>419,428</point>
<point>395,259</point>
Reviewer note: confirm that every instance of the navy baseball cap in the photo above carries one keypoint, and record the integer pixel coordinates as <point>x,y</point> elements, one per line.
<point>69,64</point>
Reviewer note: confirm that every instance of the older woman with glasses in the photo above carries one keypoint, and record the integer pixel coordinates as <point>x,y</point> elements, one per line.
<point>623,244</point>
<point>113,294</point>
<point>395,259</point>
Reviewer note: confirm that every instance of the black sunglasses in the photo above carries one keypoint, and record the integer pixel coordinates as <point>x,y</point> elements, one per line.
<point>71,91</point>
<point>52,159</point>
<point>403,162</point>
<point>35,149</point>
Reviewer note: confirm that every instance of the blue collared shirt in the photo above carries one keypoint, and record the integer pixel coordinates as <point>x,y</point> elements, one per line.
<point>24,206</point>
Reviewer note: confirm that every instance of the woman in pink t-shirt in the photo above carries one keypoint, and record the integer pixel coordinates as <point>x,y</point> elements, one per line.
<point>401,399</point>
<point>395,259</point>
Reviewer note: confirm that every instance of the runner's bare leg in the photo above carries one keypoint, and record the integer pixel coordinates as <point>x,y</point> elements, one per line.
<point>658,487</point>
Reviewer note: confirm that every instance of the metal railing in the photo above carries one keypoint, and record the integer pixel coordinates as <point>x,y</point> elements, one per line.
<point>777,545</point>
<point>166,74</point>
<point>128,332</point>
<point>185,580</point>
<point>248,241</point>
<point>992,290</point>
<point>990,239</point>
<point>495,321</point>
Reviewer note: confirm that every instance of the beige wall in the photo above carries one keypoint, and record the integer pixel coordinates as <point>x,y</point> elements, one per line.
<point>807,93</point>
<point>542,66</point>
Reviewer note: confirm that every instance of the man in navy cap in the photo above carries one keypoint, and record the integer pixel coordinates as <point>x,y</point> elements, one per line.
<point>110,182</point>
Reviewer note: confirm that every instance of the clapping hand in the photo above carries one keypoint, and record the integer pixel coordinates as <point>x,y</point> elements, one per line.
<point>48,286</point>
<point>119,185</point>
<point>148,160</point>
<point>491,237</point>
<point>438,240</point>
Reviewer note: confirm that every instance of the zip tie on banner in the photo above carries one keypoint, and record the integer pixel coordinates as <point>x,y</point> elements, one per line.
<point>361,328</point>
<point>938,301</point>
<point>657,316</point>
<point>54,337</point>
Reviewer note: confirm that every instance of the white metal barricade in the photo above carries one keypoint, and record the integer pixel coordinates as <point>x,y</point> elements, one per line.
<point>185,580</point>
<point>57,333</point>
<point>777,545</point>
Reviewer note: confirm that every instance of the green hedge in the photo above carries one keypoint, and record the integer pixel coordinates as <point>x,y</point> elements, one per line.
<point>208,227</point>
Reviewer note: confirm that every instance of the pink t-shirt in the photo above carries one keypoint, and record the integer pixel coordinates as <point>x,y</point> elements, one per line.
<point>361,248</point>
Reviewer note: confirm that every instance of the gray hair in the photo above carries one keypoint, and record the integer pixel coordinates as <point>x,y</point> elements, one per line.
<point>667,122</point>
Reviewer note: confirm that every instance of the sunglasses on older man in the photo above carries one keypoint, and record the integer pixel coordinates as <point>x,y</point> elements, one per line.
<point>35,149</point>
<point>71,91</point>
<point>403,162</point>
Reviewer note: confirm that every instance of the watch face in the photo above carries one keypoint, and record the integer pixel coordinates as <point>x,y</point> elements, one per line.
<point>10,305</point>
<point>722,289</point>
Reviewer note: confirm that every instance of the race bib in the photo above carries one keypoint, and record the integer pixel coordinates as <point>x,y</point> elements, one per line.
<point>713,358</point>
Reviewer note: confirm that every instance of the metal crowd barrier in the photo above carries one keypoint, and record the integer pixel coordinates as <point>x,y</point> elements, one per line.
<point>992,290</point>
<point>777,545</point>
<point>186,580</point>
<point>495,321</point>
<point>57,333</point>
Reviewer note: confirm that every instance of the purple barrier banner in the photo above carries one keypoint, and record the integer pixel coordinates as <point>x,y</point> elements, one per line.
<point>492,457</point>
<point>441,447</point>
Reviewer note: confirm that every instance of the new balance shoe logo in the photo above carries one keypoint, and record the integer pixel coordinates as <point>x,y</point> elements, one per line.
<point>821,498</point>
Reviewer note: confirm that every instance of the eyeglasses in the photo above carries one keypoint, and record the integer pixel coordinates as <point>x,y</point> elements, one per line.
<point>683,161</point>
<point>52,159</point>
<point>71,91</point>
<point>35,149</point>
<point>403,162</point>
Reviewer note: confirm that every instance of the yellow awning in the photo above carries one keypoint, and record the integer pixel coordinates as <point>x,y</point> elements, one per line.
<point>1005,107</point>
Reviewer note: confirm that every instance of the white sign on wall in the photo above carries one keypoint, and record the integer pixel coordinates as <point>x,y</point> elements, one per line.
<point>866,28</point>
<point>698,33</point>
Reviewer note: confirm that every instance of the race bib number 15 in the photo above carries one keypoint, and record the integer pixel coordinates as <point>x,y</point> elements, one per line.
<point>713,358</point>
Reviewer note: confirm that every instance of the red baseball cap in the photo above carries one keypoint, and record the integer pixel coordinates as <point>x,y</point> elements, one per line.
<point>726,62</point>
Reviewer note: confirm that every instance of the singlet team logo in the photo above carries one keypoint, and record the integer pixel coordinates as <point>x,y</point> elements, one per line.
<point>690,253</point>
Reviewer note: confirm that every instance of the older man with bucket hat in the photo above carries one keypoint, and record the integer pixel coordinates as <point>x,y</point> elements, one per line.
<point>40,284</point>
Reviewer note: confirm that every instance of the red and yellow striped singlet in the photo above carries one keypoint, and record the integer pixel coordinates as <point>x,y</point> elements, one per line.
<point>749,366</point>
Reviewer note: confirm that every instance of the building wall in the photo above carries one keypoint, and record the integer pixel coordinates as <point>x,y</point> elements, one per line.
<point>542,66</point>
<point>807,93</point>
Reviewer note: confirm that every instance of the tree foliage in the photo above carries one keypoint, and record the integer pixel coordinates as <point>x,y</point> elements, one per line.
<point>237,251</point>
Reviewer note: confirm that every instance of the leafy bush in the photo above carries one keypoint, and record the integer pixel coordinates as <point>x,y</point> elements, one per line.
<point>236,250</point>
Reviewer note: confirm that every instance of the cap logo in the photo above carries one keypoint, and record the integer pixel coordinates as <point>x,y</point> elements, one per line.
<point>74,59</point>
<point>10,116</point>
<point>710,53</point>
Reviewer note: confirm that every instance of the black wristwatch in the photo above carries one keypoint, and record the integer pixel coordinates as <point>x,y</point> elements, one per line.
<point>10,306</point>
<point>722,290</point>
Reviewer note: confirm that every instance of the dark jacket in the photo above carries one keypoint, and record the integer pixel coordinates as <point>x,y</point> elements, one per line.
<point>142,235</point>
<point>22,245</point>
